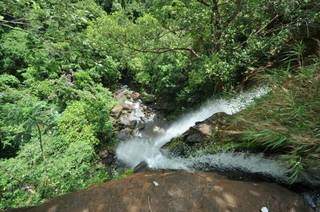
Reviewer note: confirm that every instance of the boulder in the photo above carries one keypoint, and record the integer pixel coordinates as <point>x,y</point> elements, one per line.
<point>203,130</point>
<point>125,134</point>
<point>198,135</point>
<point>135,95</point>
<point>126,120</point>
<point>107,157</point>
<point>127,105</point>
<point>116,111</point>
<point>158,130</point>
<point>141,167</point>
<point>177,191</point>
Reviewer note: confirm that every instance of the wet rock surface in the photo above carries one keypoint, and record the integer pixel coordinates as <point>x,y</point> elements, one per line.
<point>141,167</point>
<point>177,191</point>
<point>203,130</point>
<point>107,157</point>
<point>197,135</point>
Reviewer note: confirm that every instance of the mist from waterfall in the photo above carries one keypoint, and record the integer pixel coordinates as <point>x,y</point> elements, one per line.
<point>136,150</point>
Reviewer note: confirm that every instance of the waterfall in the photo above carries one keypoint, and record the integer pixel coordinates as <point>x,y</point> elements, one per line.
<point>136,150</point>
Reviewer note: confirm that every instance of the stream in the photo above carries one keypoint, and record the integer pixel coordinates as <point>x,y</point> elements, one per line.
<point>148,148</point>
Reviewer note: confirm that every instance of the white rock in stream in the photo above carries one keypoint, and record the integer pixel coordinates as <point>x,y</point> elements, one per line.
<point>130,114</point>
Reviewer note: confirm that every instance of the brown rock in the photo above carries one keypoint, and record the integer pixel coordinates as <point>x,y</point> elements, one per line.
<point>125,120</point>
<point>116,111</point>
<point>203,130</point>
<point>128,105</point>
<point>198,133</point>
<point>121,96</point>
<point>177,191</point>
<point>125,134</point>
<point>135,95</point>
<point>107,157</point>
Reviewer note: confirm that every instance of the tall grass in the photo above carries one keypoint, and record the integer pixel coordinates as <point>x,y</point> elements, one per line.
<point>285,123</point>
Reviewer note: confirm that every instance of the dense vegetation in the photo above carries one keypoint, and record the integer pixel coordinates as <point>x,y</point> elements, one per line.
<point>60,61</point>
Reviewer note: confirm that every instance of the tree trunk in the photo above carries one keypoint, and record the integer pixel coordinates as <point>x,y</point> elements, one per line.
<point>40,140</point>
<point>215,26</point>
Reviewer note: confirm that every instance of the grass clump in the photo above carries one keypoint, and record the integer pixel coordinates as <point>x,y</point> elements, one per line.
<point>286,122</point>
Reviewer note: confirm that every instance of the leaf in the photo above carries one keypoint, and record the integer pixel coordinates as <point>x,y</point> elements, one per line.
<point>1,17</point>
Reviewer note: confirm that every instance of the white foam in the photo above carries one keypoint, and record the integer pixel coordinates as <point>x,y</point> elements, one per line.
<point>247,163</point>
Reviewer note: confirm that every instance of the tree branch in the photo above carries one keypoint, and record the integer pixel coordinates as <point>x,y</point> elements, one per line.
<point>165,50</point>
<point>235,13</point>
<point>203,2</point>
<point>261,29</point>
<point>13,22</point>
<point>180,30</point>
<point>40,140</point>
<point>159,50</point>
<point>215,26</point>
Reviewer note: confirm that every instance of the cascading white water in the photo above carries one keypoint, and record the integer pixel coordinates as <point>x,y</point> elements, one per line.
<point>134,151</point>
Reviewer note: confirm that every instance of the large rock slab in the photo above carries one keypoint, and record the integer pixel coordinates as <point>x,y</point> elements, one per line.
<point>177,191</point>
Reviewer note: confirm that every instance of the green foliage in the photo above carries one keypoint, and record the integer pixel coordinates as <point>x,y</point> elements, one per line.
<point>182,48</point>
<point>13,48</point>
<point>54,115</point>
<point>271,140</point>
<point>7,81</point>
<point>56,91</point>
<point>296,54</point>
<point>20,114</point>
<point>92,111</point>
<point>28,179</point>
<point>66,159</point>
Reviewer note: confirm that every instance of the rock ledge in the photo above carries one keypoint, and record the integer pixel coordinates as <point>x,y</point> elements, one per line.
<point>177,191</point>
